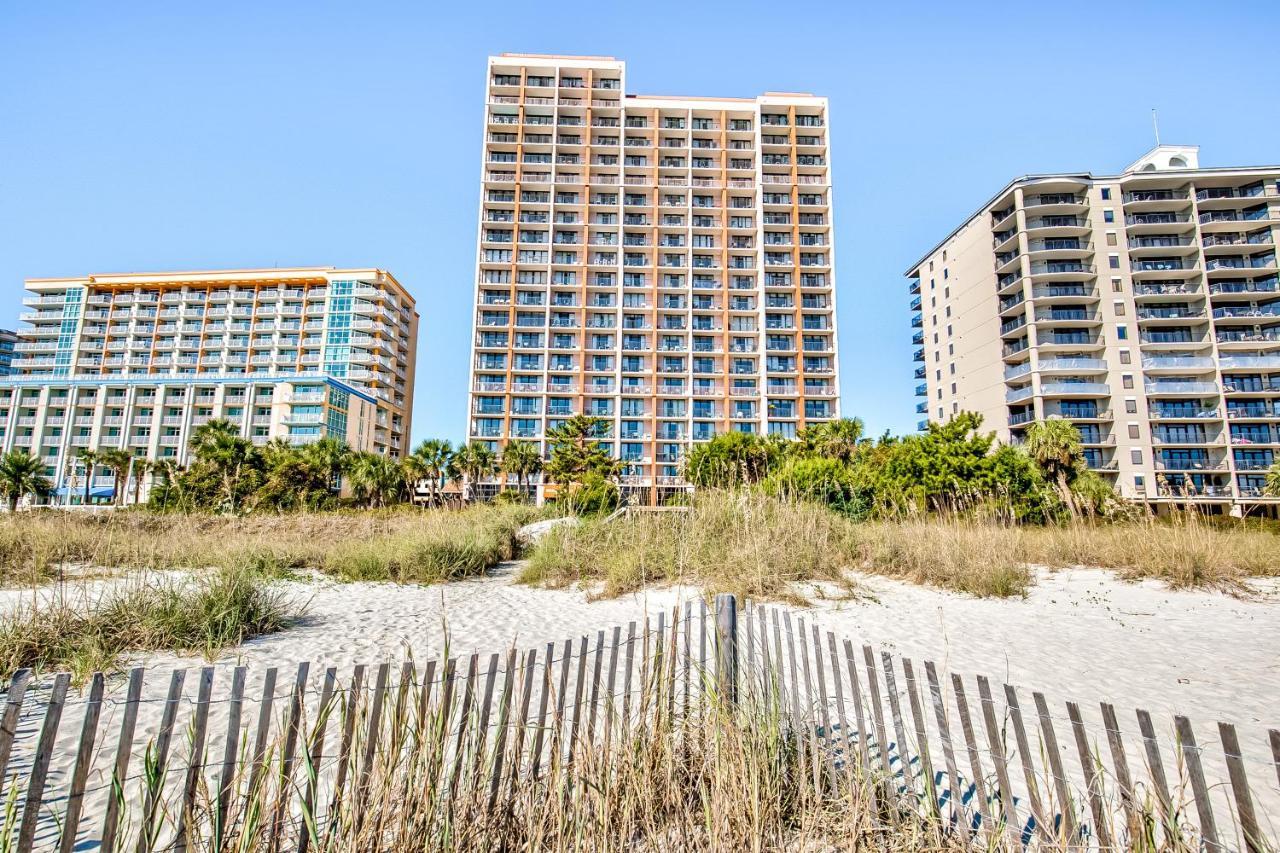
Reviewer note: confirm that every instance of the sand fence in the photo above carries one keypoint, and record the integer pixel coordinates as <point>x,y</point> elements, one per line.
<point>292,756</point>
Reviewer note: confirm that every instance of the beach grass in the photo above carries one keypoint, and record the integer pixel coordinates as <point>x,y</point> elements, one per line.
<point>201,614</point>
<point>398,544</point>
<point>761,547</point>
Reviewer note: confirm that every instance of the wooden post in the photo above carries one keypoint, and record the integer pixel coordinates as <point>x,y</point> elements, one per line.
<point>1248,820</point>
<point>996,747</point>
<point>124,750</point>
<point>1204,809</point>
<point>230,752</point>
<point>727,647</point>
<point>40,766</point>
<point>84,756</point>
<point>147,832</point>
<point>9,724</point>
<point>195,762</point>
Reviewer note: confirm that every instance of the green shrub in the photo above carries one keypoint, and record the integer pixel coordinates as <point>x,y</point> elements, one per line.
<point>820,480</point>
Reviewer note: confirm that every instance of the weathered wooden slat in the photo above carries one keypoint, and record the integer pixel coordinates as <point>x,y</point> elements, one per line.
<point>748,631</point>
<point>767,664</point>
<point>1155,767</point>
<point>817,756</point>
<point>597,665</point>
<point>124,751</point>
<point>704,675</point>
<point>509,676</point>
<point>877,711</point>
<point>230,754</point>
<point>40,764</point>
<point>1120,766</point>
<point>899,730</point>
<point>1093,781</point>
<point>350,714</point>
<point>989,823</point>
<point>310,821</point>
<point>610,710</point>
<point>528,674</point>
<point>1274,736</point>
<point>1050,739</point>
<point>84,757</point>
<point>626,675</point>
<point>579,688</point>
<point>562,697</point>
<point>1247,818</point>
<point>841,716</point>
<point>372,736</point>
<point>1204,808</point>
<point>195,760</point>
<point>948,752</point>
<point>258,767</point>
<point>855,689</point>
<point>727,651</point>
<point>1044,821</point>
<point>535,756</point>
<point>687,658</point>
<point>464,722</point>
<point>9,723</point>
<point>820,675</point>
<point>482,721</point>
<point>995,745</point>
<point>160,763</point>
<point>922,737</point>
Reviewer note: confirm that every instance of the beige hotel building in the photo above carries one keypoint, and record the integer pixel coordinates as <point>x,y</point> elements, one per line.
<point>137,361</point>
<point>1143,307</point>
<point>663,263</point>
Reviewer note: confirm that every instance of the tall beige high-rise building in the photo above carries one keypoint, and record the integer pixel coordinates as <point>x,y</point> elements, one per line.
<point>663,263</point>
<point>138,361</point>
<point>1143,307</point>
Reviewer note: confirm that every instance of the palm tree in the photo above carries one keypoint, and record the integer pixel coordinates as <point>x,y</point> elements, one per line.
<point>331,454</point>
<point>375,477</point>
<point>414,470</point>
<point>22,474</point>
<point>117,462</point>
<point>834,439</point>
<point>88,458</point>
<point>1054,445</point>
<point>220,444</point>
<point>436,455</point>
<point>523,459</point>
<point>472,463</point>
<point>1272,487</point>
<point>141,467</point>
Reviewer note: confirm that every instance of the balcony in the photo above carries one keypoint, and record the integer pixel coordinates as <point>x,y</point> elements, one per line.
<point>1184,413</point>
<point>1065,269</point>
<point>1084,365</point>
<point>1171,388</point>
<point>1075,389</point>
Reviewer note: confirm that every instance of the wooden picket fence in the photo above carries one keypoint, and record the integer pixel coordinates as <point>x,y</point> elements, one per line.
<point>288,757</point>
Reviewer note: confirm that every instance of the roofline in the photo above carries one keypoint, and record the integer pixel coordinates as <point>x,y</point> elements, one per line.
<point>1083,176</point>
<point>554,56</point>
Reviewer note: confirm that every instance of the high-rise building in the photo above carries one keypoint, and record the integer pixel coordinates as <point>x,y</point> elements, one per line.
<point>138,361</point>
<point>1143,307</point>
<point>663,263</point>
<point>8,339</point>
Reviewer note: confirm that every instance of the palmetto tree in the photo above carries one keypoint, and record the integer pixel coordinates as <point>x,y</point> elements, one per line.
<point>523,459</point>
<point>332,455</point>
<point>220,444</point>
<point>89,459</point>
<point>117,462</point>
<point>1054,445</point>
<point>376,478</point>
<point>473,462</point>
<point>22,474</point>
<point>834,439</point>
<point>1272,487</point>
<point>435,454</point>
<point>141,467</point>
<point>414,470</point>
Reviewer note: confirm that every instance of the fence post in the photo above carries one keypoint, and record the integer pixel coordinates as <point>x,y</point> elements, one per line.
<point>727,646</point>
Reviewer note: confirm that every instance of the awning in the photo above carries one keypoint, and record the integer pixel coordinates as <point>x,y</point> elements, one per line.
<point>104,492</point>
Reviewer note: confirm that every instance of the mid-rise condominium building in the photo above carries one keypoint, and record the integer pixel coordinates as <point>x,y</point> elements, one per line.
<point>8,338</point>
<point>663,263</point>
<point>138,361</point>
<point>1143,307</point>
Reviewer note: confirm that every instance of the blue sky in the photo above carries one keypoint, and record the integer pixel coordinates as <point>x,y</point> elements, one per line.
<point>169,136</point>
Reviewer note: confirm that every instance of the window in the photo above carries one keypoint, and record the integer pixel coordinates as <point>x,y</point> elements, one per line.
<point>1111,238</point>
<point>1109,216</point>
<point>1127,381</point>
<point>1130,406</point>
<point>1113,262</point>
<point>1117,286</point>
<point>1126,357</point>
<point>1139,483</point>
<point>1122,332</point>
<point>1133,430</point>
<point>1135,456</point>
<point>1119,308</point>
<point>1106,193</point>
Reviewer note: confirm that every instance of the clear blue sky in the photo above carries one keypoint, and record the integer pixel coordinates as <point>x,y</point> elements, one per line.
<point>139,136</point>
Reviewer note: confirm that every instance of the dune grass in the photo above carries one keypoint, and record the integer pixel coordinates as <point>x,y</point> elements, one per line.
<point>761,547</point>
<point>202,614</point>
<point>400,545</point>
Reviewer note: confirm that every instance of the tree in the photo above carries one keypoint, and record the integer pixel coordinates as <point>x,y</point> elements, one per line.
<point>141,466</point>
<point>414,470</point>
<point>730,460</point>
<point>473,462</point>
<point>435,454</point>
<point>375,478</point>
<point>1054,445</point>
<point>1272,486</point>
<point>219,445</point>
<point>332,455</point>
<point>89,459</point>
<point>22,474</point>
<point>576,451</point>
<point>116,461</point>
<point>837,439</point>
<point>523,459</point>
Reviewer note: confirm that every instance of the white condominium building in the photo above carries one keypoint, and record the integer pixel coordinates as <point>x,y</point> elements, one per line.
<point>138,361</point>
<point>1144,307</point>
<point>663,263</point>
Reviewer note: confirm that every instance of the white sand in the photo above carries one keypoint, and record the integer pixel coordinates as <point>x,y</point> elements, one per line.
<point>1080,634</point>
